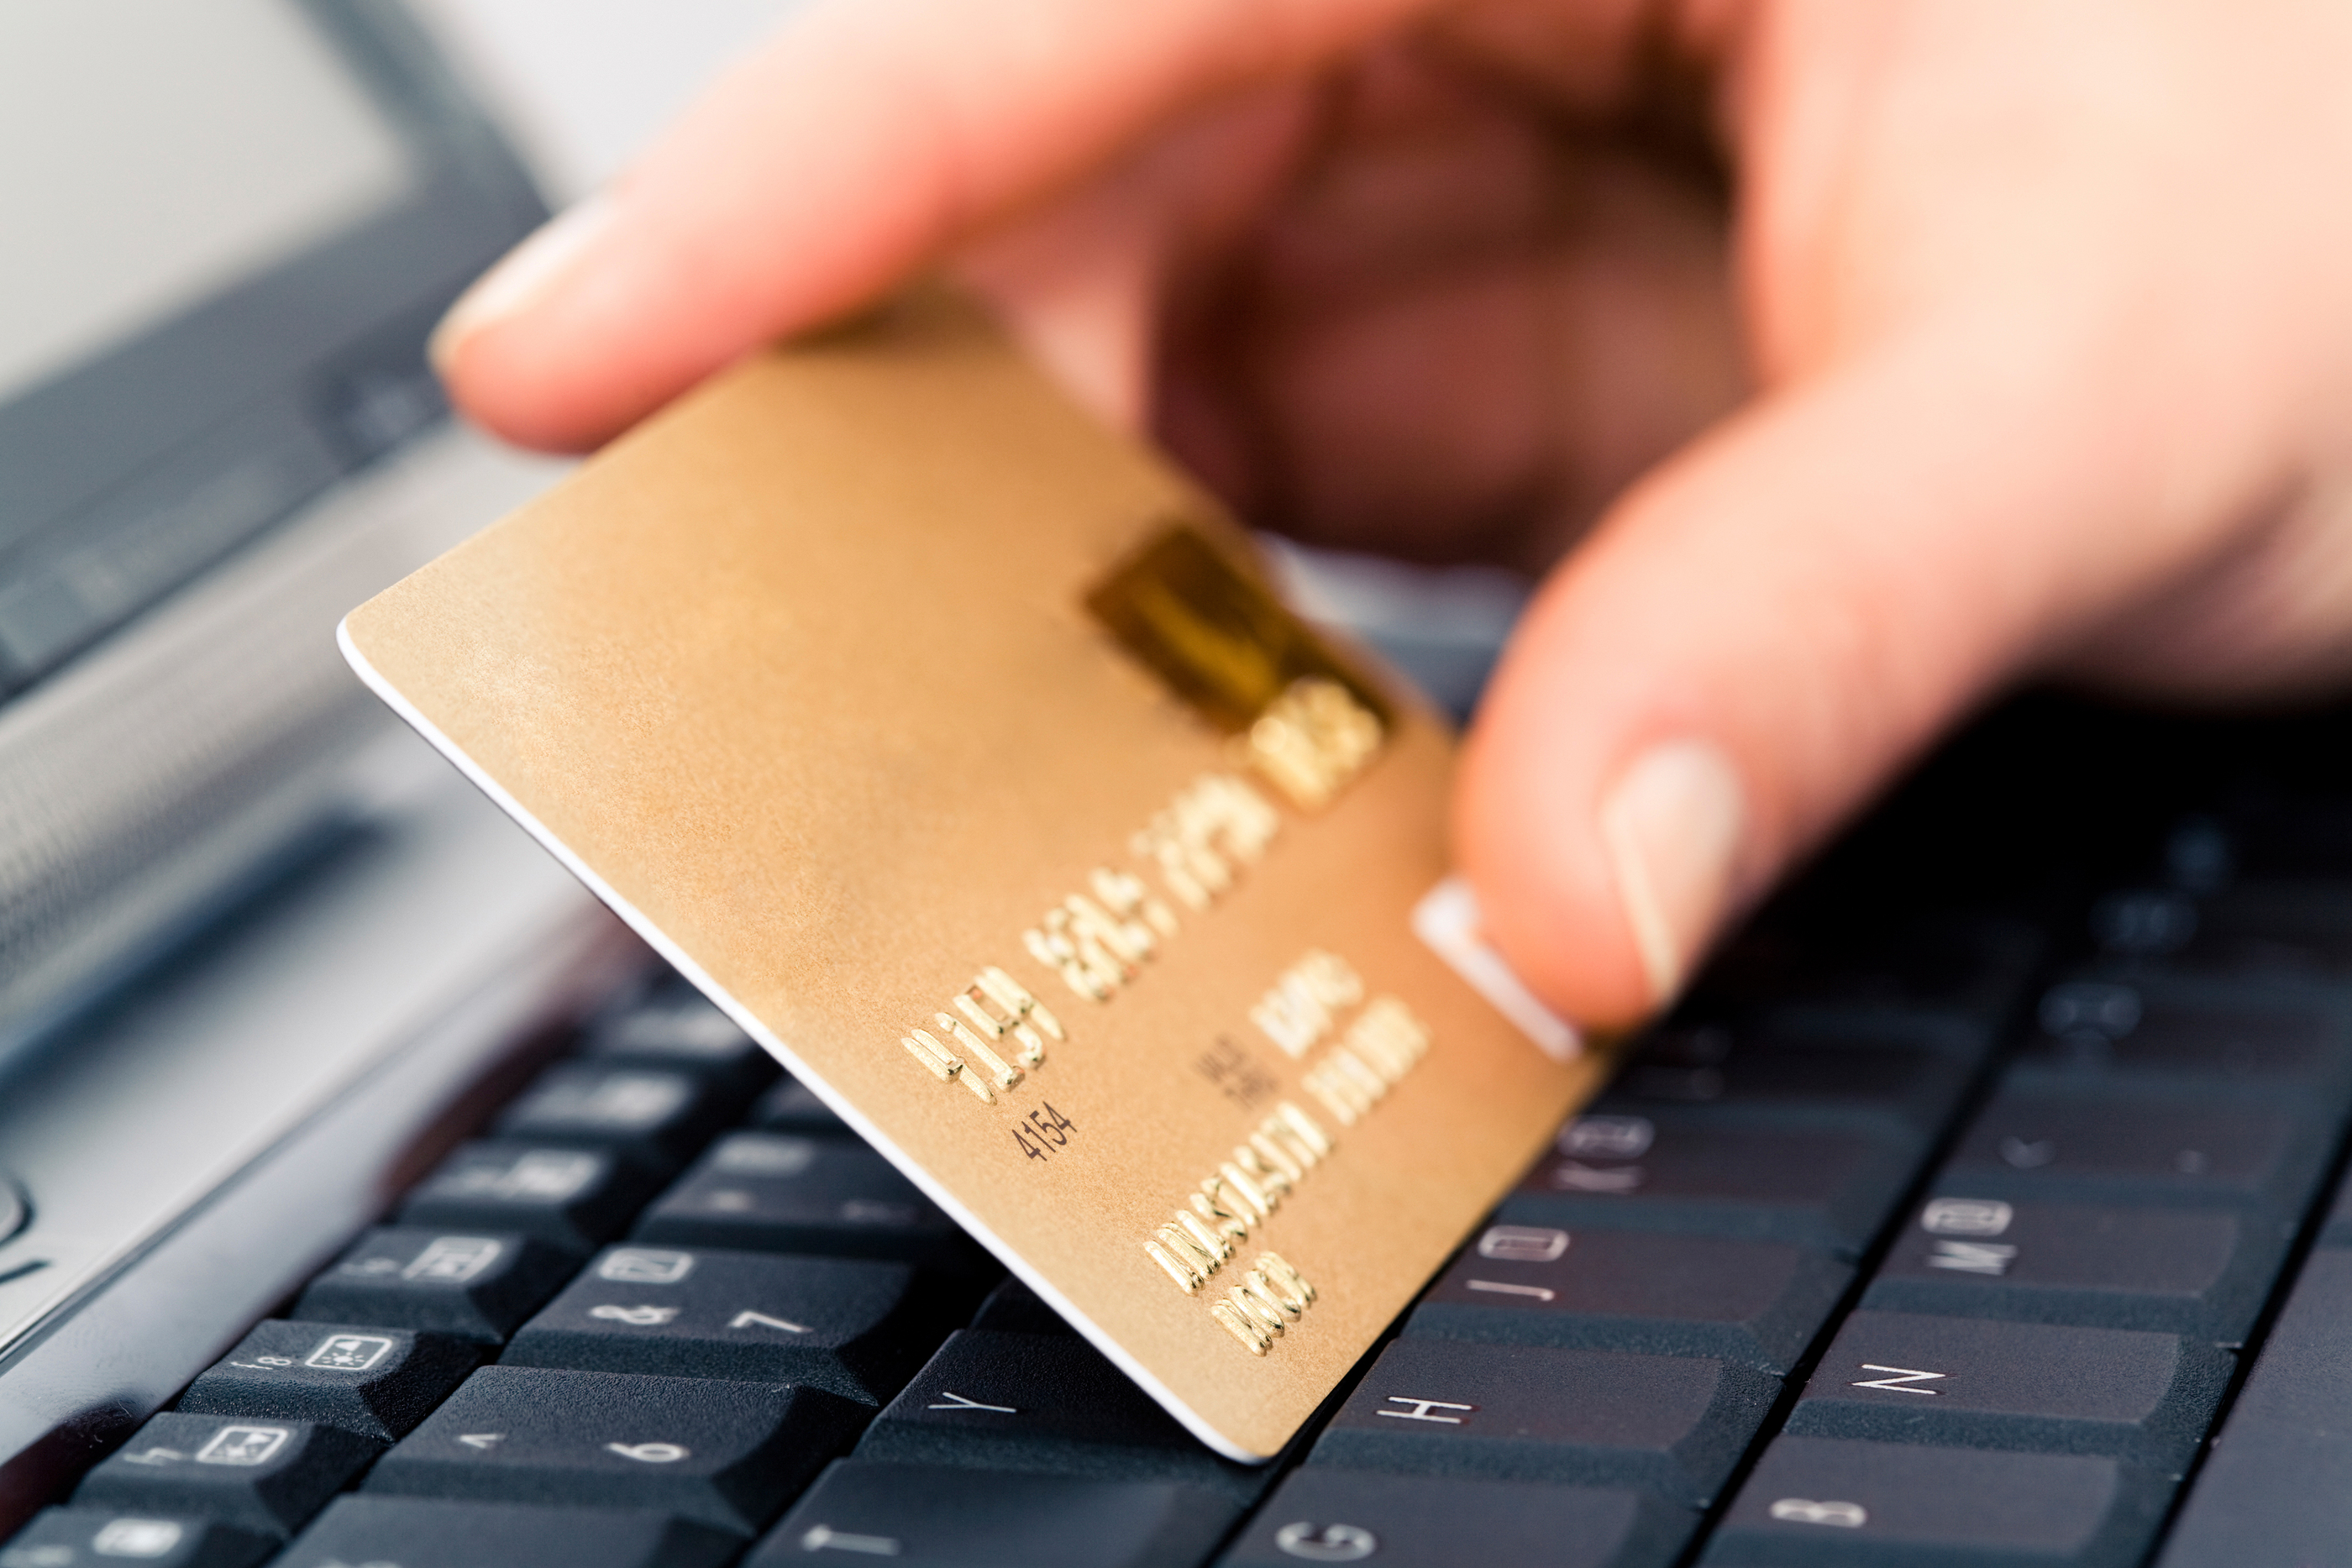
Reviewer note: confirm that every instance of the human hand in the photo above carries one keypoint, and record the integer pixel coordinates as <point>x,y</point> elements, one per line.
<point>2040,359</point>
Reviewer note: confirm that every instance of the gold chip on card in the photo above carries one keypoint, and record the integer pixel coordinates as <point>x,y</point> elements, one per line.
<point>955,747</point>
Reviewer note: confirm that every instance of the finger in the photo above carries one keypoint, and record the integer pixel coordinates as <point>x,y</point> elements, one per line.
<point>867,138</point>
<point>1485,400</point>
<point>1077,287</point>
<point>1769,626</point>
<point>1084,282</point>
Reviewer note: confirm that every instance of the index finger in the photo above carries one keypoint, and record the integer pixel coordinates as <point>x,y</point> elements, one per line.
<point>866,137</point>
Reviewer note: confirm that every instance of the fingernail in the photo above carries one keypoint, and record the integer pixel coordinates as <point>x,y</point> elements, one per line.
<point>1672,826</point>
<point>521,277</point>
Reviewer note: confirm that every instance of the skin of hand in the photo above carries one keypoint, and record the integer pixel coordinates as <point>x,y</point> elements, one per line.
<point>1850,359</point>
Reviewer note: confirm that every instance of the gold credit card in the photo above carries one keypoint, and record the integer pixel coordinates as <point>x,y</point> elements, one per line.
<point>954,747</point>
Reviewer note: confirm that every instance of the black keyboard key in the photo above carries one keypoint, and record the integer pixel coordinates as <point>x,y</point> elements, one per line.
<point>1947,979</point>
<point>2278,1485</point>
<point>2132,926</point>
<point>376,1381</point>
<point>855,1327</point>
<point>1755,1303</point>
<point>1673,1425</point>
<point>1817,1502</point>
<point>921,1516</point>
<point>1747,1079</point>
<point>653,1119</point>
<point>268,1477</point>
<point>88,1537</point>
<point>575,1198</point>
<point>770,1192</point>
<point>678,1030</point>
<point>429,1532</point>
<point>2196,1039</point>
<point>2140,1149</point>
<point>1321,1515</point>
<point>1815,1187</point>
<point>2279,837</point>
<point>2200,1272</point>
<point>1045,1403</point>
<point>2044,1387</point>
<point>793,1106</point>
<point>1013,1308</point>
<point>2284,930</point>
<point>723,1454</point>
<point>480,1284</point>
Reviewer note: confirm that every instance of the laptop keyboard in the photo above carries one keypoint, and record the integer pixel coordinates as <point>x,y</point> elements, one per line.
<point>1958,1237</point>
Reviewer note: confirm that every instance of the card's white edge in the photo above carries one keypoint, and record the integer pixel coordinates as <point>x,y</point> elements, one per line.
<point>1446,920</point>
<point>750,1023</point>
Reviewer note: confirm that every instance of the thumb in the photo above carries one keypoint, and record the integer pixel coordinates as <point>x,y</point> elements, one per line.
<point>1771,623</point>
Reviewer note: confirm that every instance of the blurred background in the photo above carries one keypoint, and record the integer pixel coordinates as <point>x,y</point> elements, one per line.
<point>580,85</point>
<point>230,227</point>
